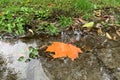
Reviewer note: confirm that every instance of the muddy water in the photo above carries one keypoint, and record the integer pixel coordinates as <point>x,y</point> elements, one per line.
<point>101,62</point>
<point>12,69</point>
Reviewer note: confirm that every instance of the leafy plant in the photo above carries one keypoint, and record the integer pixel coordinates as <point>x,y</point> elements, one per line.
<point>26,10</point>
<point>21,58</point>
<point>48,28</point>
<point>65,21</point>
<point>51,29</point>
<point>11,24</point>
<point>87,16</point>
<point>42,14</point>
<point>13,20</point>
<point>33,54</point>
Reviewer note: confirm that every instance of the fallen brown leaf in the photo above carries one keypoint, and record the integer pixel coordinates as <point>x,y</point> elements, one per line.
<point>108,35</point>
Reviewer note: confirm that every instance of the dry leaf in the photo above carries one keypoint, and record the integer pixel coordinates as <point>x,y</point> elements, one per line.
<point>98,25</point>
<point>99,31</point>
<point>98,13</point>
<point>43,46</point>
<point>50,5</point>
<point>64,50</point>
<point>88,25</point>
<point>2,13</point>
<point>118,32</point>
<point>80,20</point>
<point>108,36</point>
<point>31,31</point>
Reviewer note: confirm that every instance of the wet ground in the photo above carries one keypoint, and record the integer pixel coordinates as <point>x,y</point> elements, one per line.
<point>100,59</point>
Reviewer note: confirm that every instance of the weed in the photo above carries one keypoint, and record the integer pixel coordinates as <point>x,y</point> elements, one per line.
<point>21,58</point>
<point>65,21</point>
<point>48,28</point>
<point>10,24</point>
<point>51,29</point>
<point>87,16</point>
<point>32,55</point>
<point>42,14</point>
<point>13,21</point>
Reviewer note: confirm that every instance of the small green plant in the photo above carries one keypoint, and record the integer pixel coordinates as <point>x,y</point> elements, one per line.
<point>51,29</point>
<point>65,21</point>
<point>33,54</point>
<point>14,19</point>
<point>42,14</point>
<point>87,16</point>
<point>26,10</point>
<point>11,24</point>
<point>48,28</point>
<point>21,58</point>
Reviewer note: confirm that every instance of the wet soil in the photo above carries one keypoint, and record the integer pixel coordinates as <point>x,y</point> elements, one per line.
<point>99,61</point>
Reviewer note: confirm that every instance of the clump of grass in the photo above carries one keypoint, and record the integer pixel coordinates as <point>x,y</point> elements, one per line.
<point>13,20</point>
<point>83,6</point>
<point>106,3</point>
<point>42,14</point>
<point>52,29</point>
<point>48,28</point>
<point>33,54</point>
<point>11,24</point>
<point>21,12</point>
<point>65,21</point>
<point>71,8</point>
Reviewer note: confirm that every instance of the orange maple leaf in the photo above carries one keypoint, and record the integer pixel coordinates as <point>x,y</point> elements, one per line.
<point>64,50</point>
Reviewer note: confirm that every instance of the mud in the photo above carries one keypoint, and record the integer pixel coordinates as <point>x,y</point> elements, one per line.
<point>99,61</point>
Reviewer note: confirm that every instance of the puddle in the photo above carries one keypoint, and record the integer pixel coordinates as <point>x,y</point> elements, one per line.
<point>10,52</point>
<point>101,63</point>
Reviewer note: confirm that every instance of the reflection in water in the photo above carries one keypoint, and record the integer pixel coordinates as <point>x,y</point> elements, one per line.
<point>25,71</point>
<point>36,71</point>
